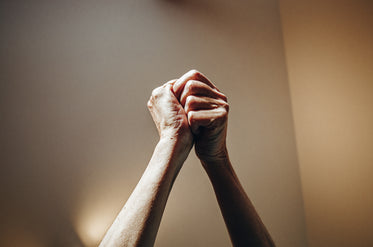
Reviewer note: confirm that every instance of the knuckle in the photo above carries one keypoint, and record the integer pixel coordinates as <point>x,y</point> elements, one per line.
<point>191,117</point>
<point>171,82</point>
<point>157,91</point>
<point>190,100</point>
<point>224,115</point>
<point>194,72</point>
<point>224,97</point>
<point>226,107</point>
<point>190,85</point>
<point>149,103</point>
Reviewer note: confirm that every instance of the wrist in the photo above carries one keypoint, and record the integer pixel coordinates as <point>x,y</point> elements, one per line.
<point>168,158</point>
<point>177,147</point>
<point>218,161</point>
<point>178,137</point>
<point>218,156</point>
<point>218,169</point>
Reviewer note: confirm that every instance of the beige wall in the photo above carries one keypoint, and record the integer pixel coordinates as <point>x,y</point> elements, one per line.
<point>76,135</point>
<point>329,50</point>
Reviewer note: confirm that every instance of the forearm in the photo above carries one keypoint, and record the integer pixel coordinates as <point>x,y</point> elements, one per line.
<point>207,110</point>
<point>137,223</point>
<point>244,225</point>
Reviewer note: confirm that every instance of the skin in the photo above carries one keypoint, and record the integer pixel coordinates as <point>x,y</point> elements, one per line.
<point>138,222</point>
<point>187,110</point>
<point>207,111</point>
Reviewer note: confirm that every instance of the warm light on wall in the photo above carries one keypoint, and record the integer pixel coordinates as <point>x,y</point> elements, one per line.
<point>97,210</point>
<point>92,226</point>
<point>328,45</point>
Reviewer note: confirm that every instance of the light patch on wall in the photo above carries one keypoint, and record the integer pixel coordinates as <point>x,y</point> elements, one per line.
<point>92,224</point>
<point>97,211</point>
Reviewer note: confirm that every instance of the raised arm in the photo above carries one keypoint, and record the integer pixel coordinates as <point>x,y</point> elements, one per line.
<point>207,111</point>
<point>138,221</point>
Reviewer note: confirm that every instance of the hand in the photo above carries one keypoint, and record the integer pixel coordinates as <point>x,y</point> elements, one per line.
<point>207,111</point>
<point>169,116</point>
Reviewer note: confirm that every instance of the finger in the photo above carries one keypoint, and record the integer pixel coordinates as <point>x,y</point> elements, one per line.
<point>196,103</point>
<point>207,118</point>
<point>198,88</point>
<point>171,82</point>
<point>190,75</point>
<point>168,86</point>
<point>159,91</point>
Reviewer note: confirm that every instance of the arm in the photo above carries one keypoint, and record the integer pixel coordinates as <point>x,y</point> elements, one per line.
<point>207,111</point>
<point>138,221</point>
<point>244,224</point>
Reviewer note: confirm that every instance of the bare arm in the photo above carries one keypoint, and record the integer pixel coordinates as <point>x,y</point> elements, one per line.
<point>244,224</point>
<point>138,222</point>
<point>207,111</point>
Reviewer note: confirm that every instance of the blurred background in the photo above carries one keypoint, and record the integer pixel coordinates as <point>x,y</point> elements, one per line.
<point>76,135</point>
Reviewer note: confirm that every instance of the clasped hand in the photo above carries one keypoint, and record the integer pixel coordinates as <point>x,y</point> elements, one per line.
<point>191,109</point>
<point>187,111</point>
